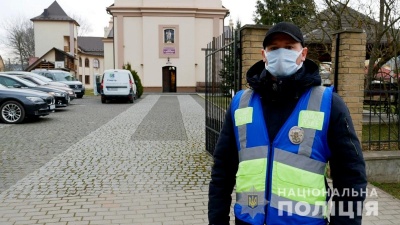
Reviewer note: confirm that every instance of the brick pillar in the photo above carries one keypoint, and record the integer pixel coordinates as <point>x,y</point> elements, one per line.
<point>252,37</point>
<point>352,52</point>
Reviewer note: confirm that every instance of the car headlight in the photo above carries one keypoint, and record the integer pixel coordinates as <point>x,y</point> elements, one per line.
<point>58,94</point>
<point>71,93</point>
<point>35,99</point>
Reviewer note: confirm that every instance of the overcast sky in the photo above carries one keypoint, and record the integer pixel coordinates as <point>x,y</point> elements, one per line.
<point>93,11</point>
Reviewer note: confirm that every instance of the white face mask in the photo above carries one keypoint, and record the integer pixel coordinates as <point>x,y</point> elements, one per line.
<point>282,62</point>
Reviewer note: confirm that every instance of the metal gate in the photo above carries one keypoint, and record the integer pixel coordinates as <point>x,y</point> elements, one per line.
<point>223,80</point>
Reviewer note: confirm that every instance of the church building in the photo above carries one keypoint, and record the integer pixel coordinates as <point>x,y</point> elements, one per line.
<point>163,40</point>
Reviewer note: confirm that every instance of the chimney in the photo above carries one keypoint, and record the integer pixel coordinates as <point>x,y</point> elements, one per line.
<point>46,13</point>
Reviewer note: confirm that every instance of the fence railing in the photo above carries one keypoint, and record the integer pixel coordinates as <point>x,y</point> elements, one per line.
<point>222,80</point>
<point>381,128</point>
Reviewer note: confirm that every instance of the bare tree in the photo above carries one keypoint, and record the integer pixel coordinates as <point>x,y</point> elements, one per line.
<point>379,19</point>
<point>20,38</point>
<point>84,26</point>
<point>385,43</point>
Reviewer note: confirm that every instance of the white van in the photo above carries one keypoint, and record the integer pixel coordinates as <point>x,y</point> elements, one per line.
<point>117,83</point>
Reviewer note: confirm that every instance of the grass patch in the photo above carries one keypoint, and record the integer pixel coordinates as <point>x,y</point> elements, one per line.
<point>381,136</point>
<point>89,92</point>
<point>383,132</point>
<point>391,188</point>
<point>220,101</point>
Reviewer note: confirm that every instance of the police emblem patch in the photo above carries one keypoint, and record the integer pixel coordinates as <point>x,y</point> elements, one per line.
<point>253,201</point>
<point>296,135</point>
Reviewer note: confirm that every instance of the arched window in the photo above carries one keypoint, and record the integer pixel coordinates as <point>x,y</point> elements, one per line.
<point>80,62</point>
<point>86,62</point>
<point>96,63</point>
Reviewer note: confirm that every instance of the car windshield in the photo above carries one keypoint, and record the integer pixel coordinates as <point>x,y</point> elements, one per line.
<point>34,80</point>
<point>26,82</point>
<point>42,78</point>
<point>63,76</point>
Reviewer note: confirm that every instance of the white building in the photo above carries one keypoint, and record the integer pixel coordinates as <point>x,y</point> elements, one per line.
<point>57,46</point>
<point>163,40</point>
<point>56,43</point>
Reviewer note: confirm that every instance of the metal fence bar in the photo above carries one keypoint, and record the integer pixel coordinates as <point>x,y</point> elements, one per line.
<point>381,128</point>
<point>222,79</point>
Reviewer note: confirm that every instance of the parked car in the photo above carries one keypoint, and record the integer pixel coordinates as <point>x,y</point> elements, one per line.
<point>117,83</point>
<point>36,81</point>
<point>63,77</point>
<point>40,77</point>
<point>18,104</point>
<point>61,97</point>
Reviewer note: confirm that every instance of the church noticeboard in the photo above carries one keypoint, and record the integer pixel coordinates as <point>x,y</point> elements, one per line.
<point>169,41</point>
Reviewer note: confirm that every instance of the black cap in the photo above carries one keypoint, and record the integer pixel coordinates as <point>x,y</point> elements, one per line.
<point>287,28</point>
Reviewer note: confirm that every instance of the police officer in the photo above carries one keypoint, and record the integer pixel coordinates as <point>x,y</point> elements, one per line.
<point>276,142</point>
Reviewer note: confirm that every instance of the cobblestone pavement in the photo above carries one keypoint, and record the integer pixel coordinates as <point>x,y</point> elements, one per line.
<point>26,147</point>
<point>110,172</point>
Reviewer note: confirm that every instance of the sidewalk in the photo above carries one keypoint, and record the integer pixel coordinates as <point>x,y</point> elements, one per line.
<point>146,166</point>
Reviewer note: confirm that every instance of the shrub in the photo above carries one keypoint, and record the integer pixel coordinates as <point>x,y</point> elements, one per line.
<point>139,85</point>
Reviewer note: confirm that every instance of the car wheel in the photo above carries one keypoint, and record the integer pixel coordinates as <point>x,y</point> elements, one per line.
<point>103,100</point>
<point>12,112</point>
<point>79,96</point>
<point>131,99</point>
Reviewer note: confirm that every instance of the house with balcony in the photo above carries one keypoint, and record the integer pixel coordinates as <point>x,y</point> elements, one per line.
<point>57,46</point>
<point>56,41</point>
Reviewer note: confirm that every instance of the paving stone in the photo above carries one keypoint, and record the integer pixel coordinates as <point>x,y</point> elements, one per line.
<point>141,163</point>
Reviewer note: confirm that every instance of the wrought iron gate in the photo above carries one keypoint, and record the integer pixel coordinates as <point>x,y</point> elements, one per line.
<point>223,80</point>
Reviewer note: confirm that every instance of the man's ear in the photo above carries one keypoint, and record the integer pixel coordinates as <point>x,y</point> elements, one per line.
<point>263,55</point>
<point>304,54</point>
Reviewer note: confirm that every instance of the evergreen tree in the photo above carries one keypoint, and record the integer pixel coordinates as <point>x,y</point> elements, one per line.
<point>227,73</point>
<point>270,12</point>
<point>139,86</point>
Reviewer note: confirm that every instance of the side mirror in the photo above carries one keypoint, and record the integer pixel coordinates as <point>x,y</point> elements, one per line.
<point>17,86</point>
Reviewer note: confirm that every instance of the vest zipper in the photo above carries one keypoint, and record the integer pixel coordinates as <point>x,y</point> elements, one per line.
<point>348,129</point>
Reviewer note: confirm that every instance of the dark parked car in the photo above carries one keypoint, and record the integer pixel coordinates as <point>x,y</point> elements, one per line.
<point>63,77</point>
<point>40,77</point>
<point>17,104</point>
<point>61,97</point>
<point>39,82</point>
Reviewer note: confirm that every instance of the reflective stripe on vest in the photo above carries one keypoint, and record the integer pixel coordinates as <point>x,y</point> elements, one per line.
<point>251,174</point>
<point>314,104</point>
<point>298,180</point>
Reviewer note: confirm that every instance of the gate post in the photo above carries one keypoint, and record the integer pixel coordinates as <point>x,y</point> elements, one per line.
<point>251,37</point>
<point>350,76</point>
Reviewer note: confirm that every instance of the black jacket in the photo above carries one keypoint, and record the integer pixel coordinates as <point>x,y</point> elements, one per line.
<point>279,97</point>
